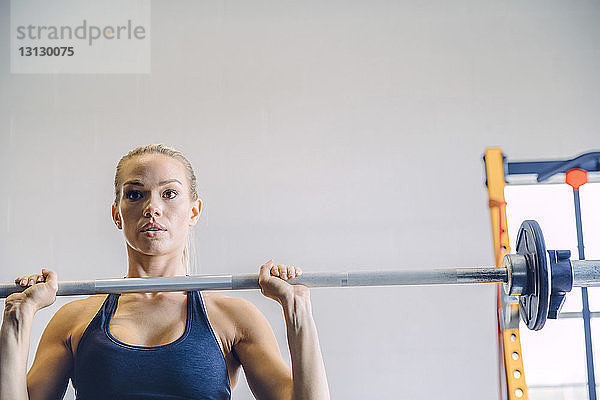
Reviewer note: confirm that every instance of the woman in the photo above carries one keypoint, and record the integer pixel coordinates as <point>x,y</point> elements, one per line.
<point>169,345</point>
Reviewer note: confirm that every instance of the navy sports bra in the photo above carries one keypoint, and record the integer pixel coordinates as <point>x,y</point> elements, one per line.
<point>191,367</point>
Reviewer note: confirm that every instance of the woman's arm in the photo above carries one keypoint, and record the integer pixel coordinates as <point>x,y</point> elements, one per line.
<point>257,349</point>
<point>49,375</point>
<point>308,370</point>
<point>14,349</point>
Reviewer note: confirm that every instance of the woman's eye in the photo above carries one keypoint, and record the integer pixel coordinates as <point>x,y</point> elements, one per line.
<point>170,194</point>
<point>132,195</point>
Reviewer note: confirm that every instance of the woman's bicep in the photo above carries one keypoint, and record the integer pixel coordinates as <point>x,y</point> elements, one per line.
<point>49,375</point>
<point>267,374</point>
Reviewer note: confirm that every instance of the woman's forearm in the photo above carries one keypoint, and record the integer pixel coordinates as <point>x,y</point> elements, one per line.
<point>308,369</point>
<point>14,350</point>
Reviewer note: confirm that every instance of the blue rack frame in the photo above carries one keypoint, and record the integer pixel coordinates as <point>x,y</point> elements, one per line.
<point>546,169</point>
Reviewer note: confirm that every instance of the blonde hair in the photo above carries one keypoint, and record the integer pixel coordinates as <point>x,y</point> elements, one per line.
<point>191,177</point>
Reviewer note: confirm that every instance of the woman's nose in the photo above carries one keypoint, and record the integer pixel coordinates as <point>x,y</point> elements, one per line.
<point>151,210</point>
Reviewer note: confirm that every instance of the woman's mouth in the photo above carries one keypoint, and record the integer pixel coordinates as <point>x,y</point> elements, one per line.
<point>152,229</point>
<point>152,232</point>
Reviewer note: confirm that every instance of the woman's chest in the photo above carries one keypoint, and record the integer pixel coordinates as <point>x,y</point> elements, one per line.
<point>149,323</point>
<point>143,349</point>
<point>155,324</point>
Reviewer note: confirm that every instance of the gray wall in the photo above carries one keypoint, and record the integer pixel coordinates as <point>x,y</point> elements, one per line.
<point>327,134</point>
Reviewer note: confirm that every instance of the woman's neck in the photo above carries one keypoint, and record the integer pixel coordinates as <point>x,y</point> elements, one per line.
<point>142,265</point>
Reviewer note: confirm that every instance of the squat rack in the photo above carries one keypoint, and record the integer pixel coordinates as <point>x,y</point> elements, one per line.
<point>499,173</point>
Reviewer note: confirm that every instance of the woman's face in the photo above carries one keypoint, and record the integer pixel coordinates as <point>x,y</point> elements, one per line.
<point>155,191</point>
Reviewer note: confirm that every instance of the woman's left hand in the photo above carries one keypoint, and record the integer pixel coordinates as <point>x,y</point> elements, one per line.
<point>272,277</point>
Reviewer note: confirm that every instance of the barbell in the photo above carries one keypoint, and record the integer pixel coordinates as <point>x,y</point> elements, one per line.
<point>539,278</point>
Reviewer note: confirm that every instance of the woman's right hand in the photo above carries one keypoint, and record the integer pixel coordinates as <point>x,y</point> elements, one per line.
<point>40,292</point>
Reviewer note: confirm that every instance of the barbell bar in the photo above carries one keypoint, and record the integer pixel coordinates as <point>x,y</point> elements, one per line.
<point>250,281</point>
<point>539,278</point>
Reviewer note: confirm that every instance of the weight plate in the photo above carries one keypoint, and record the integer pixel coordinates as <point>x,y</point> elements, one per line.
<point>535,300</point>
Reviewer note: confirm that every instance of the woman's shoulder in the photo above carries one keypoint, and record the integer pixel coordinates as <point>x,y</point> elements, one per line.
<point>232,306</point>
<point>240,313</point>
<point>72,319</point>
<point>75,308</point>
<point>73,314</point>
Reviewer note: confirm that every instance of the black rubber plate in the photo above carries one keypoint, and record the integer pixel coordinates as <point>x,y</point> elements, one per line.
<point>535,301</point>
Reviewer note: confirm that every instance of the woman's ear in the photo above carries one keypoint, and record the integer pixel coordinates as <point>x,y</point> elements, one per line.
<point>116,216</point>
<point>195,212</point>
